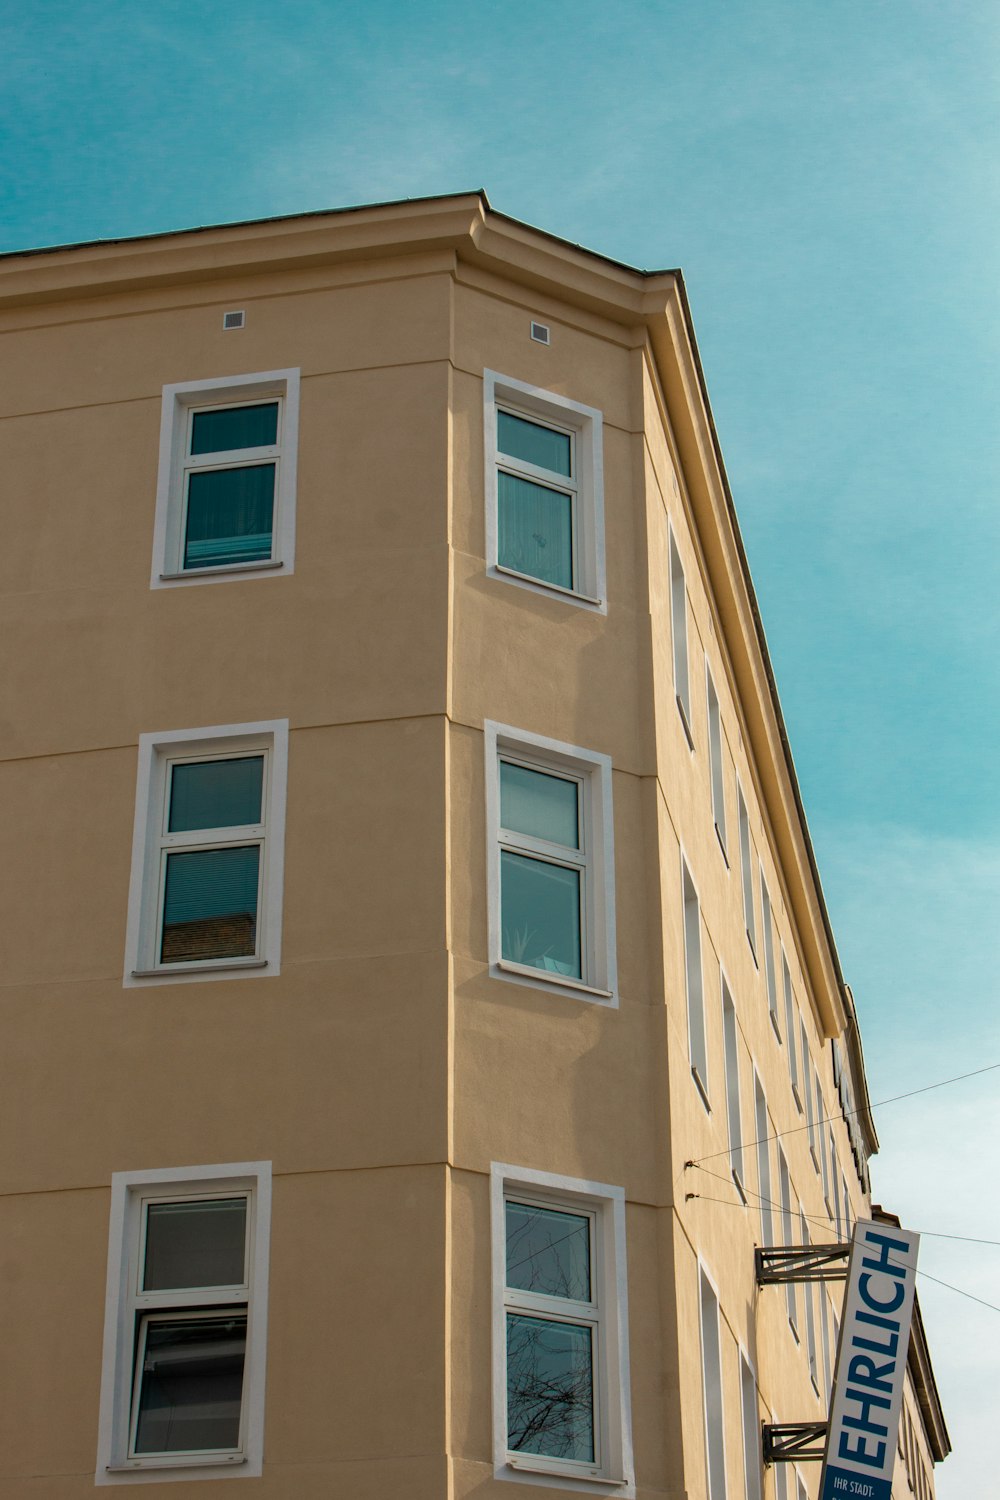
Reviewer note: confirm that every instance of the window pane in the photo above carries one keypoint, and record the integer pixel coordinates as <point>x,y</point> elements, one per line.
<point>712,1377</point>
<point>195,1244</point>
<point>229,516</point>
<point>535,530</point>
<point>541,805</point>
<point>540,906</point>
<point>534,444</point>
<point>550,1388</point>
<point>191,1386</point>
<point>234,427</point>
<point>548,1252</point>
<point>216,794</point>
<point>210,905</point>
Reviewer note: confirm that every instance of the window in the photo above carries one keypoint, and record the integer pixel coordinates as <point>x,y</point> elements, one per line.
<point>207,854</point>
<point>716,762</point>
<point>835,1190</point>
<point>793,1062</point>
<point>746,868</point>
<point>752,1466</point>
<point>551,889</point>
<point>824,1137</point>
<point>711,1366</point>
<point>731,1048</point>
<point>560,1331</point>
<point>807,1084</point>
<point>763,1161</point>
<point>182,1390</point>
<point>694,983</point>
<point>816,1135</point>
<point>787,1235</point>
<point>769,975</point>
<point>678,628</point>
<point>824,1323</point>
<point>780,1482</point>
<point>807,1297</point>
<point>544,491</point>
<point>225,498</point>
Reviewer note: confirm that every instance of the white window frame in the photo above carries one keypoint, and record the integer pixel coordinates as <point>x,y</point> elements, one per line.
<point>767,932</point>
<point>157,753</point>
<point>824,1323</point>
<point>835,1180</point>
<point>788,1237</point>
<point>679,638</point>
<point>816,1136</point>
<point>130,1192</point>
<point>790,1014</point>
<point>746,869</point>
<point>694,984</point>
<point>605,1205</point>
<point>585,425</point>
<point>780,1479</point>
<point>731,1053</point>
<point>812,1357</point>
<point>829,1181</point>
<point>595,859</point>
<point>716,760</point>
<point>825,1137</point>
<point>763,1147</point>
<point>807,1083</point>
<point>753,1465</point>
<point>712,1386</point>
<point>180,400</point>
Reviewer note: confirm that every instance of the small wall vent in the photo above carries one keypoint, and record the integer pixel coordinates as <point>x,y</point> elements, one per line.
<point>540,333</point>
<point>233,319</point>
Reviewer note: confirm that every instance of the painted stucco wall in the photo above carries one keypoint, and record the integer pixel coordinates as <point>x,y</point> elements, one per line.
<point>385,1068</point>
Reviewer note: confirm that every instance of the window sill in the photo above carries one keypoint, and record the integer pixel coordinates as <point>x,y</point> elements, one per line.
<point>739,1186</point>
<point>684,720</point>
<point>573,596</point>
<point>175,1461</point>
<point>753,948</point>
<point>774,1026</point>
<point>797,1098</point>
<point>573,1474</point>
<point>219,966</point>
<point>703,1091</point>
<point>548,977</point>
<point>722,845</point>
<point>812,1153</point>
<point>224,571</point>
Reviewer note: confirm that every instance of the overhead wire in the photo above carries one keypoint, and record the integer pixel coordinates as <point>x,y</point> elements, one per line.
<point>829,1119</point>
<point>937,1234</point>
<point>811,1219</point>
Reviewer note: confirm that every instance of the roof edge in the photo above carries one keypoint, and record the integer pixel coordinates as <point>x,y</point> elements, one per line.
<point>311,213</point>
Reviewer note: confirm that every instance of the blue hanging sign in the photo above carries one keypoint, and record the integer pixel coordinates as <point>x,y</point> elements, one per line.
<point>871,1364</point>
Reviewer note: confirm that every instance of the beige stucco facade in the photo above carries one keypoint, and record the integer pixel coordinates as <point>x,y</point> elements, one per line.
<point>391,1063</point>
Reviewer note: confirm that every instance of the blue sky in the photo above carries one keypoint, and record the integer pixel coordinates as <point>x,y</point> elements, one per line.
<point>826,175</point>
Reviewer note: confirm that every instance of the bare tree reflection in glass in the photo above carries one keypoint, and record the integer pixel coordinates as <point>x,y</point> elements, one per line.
<point>550,1396</point>
<point>550,1388</point>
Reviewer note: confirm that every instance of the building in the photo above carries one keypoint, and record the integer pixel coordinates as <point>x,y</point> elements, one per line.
<point>406,882</point>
